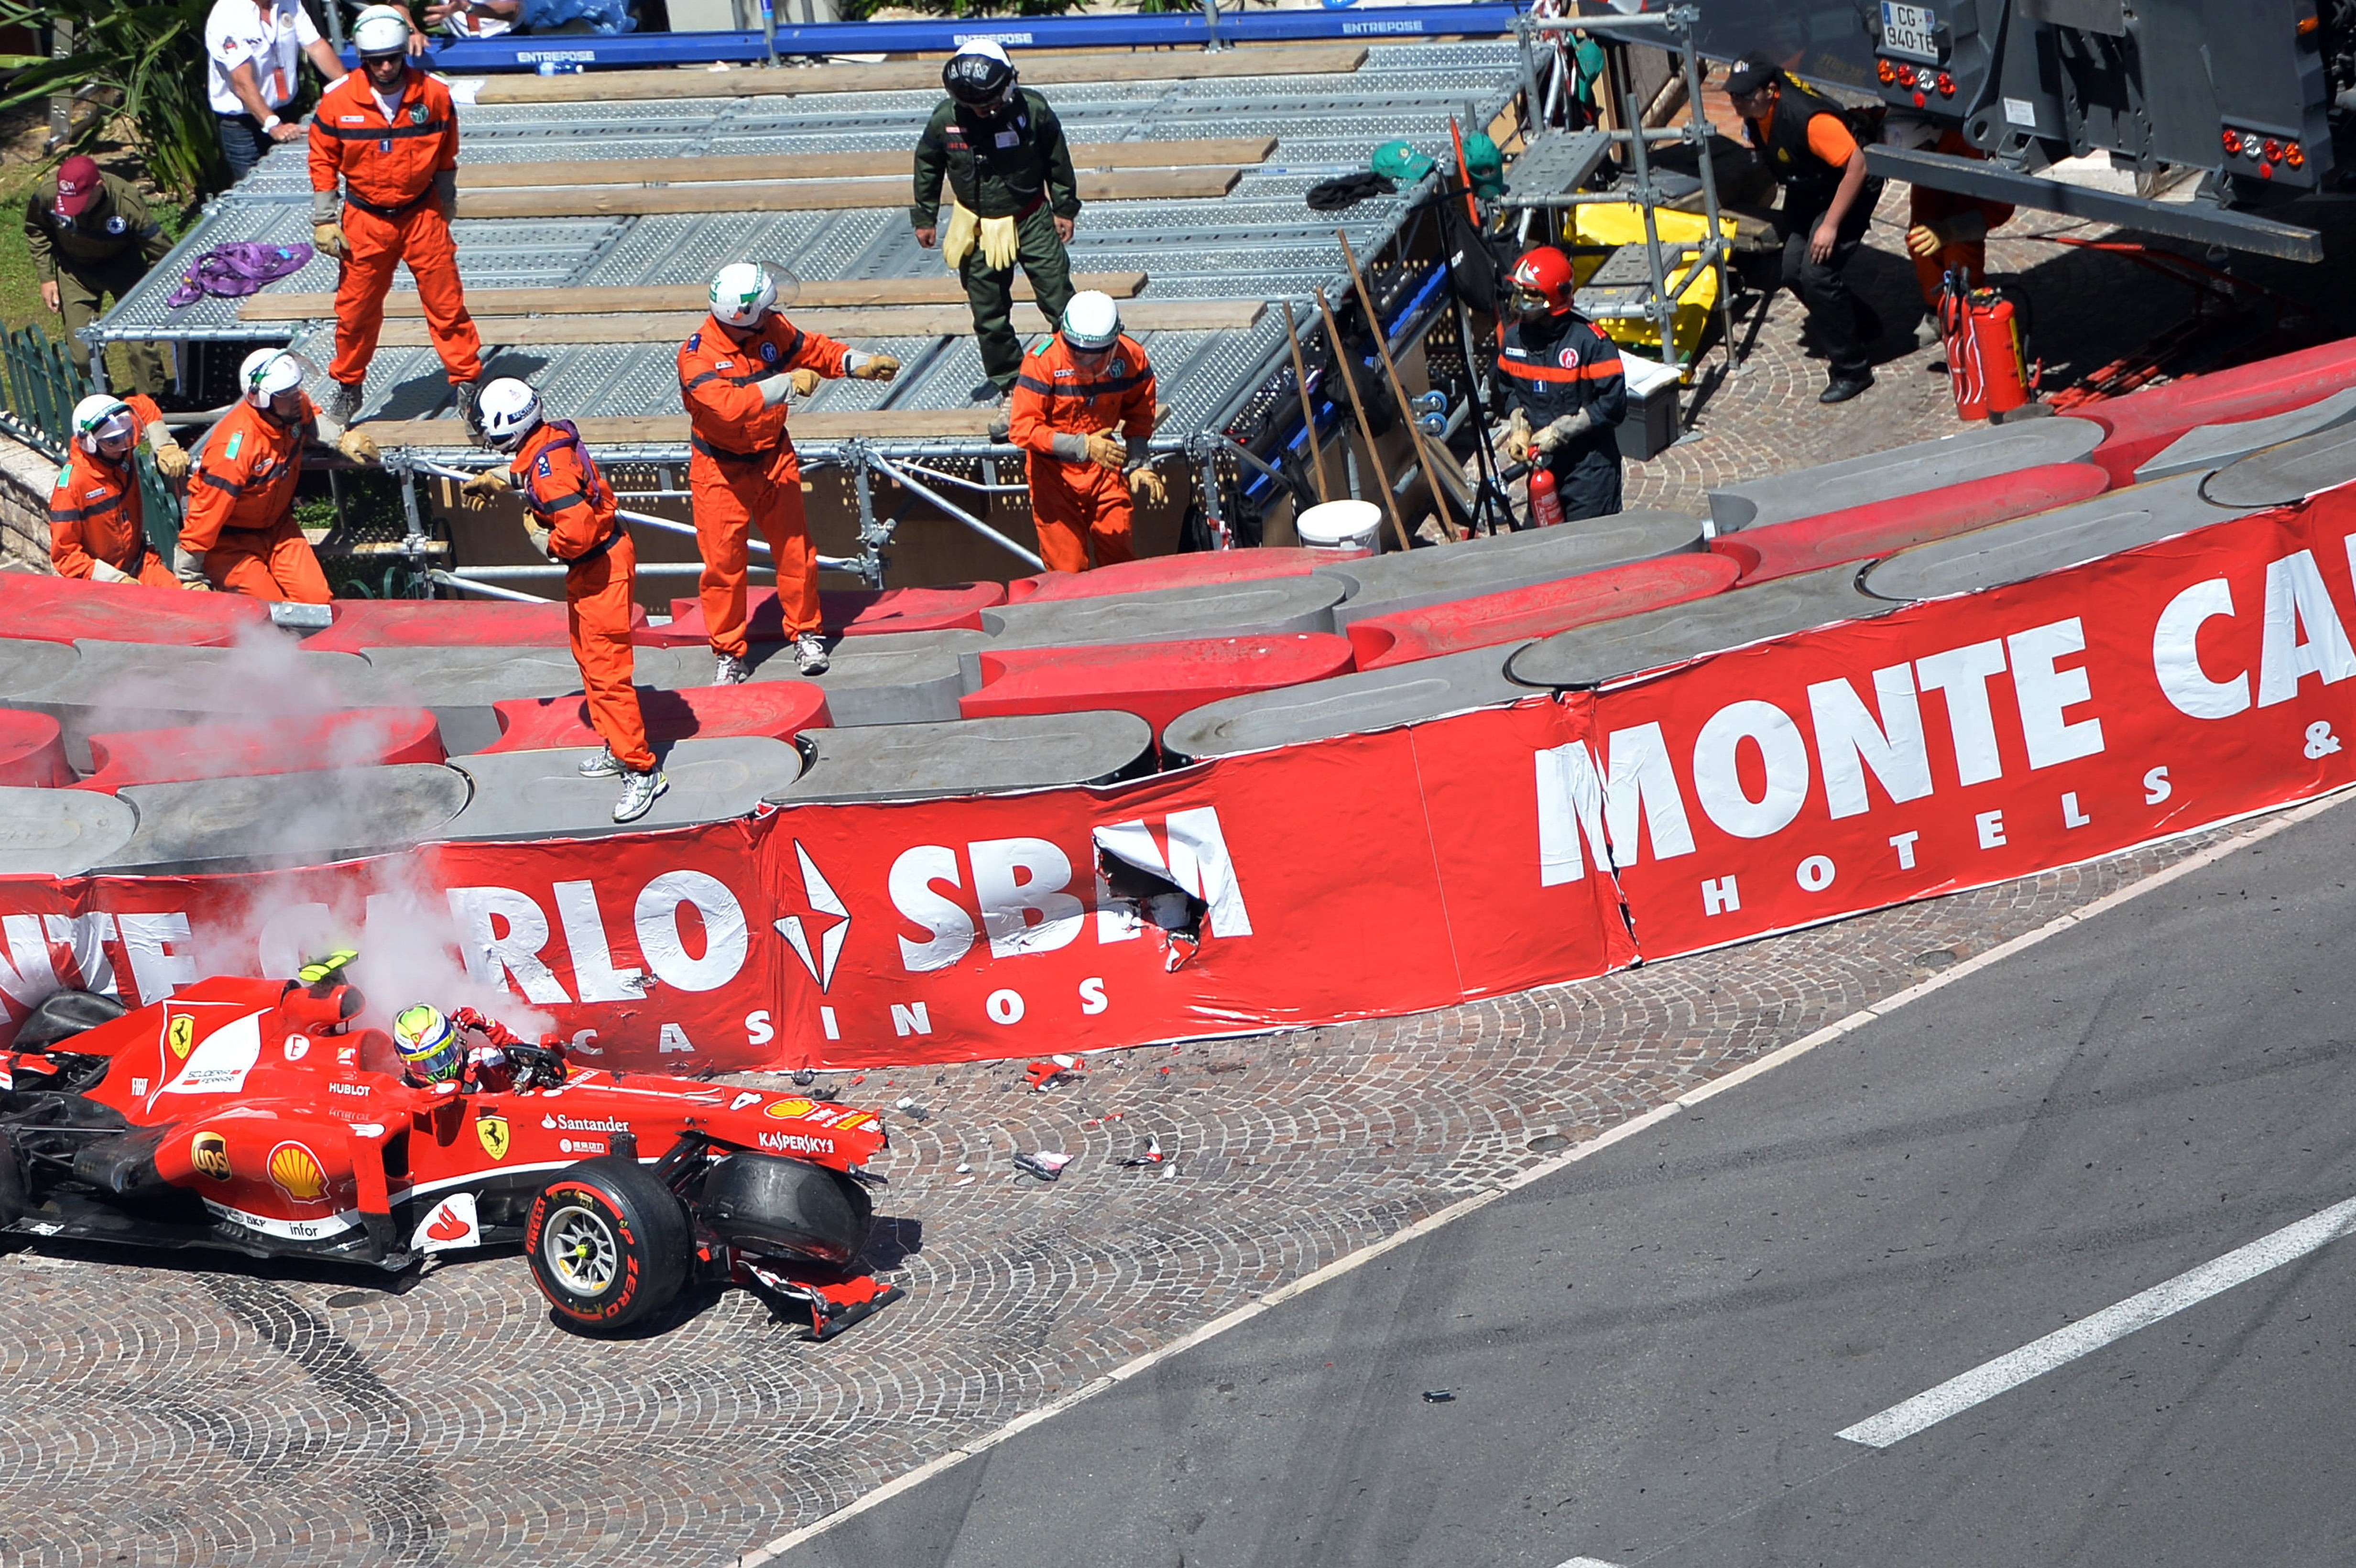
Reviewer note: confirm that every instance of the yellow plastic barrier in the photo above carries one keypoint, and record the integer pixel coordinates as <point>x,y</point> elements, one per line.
<point>1607,223</point>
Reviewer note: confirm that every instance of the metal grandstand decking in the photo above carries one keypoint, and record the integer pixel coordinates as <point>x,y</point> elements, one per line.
<point>1257,242</point>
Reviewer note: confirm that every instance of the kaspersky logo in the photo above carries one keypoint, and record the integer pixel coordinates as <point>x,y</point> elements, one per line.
<point>825,906</point>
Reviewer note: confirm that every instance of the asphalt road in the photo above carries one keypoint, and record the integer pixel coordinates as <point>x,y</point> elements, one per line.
<point>1653,1352</point>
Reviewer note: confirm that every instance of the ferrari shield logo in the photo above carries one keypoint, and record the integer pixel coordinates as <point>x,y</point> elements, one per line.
<point>493,1131</point>
<point>180,1034</point>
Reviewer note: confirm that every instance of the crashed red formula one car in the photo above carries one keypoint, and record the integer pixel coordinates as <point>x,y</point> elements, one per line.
<point>249,1114</point>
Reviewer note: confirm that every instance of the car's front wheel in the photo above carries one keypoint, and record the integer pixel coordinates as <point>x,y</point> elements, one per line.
<point>608,1244</point>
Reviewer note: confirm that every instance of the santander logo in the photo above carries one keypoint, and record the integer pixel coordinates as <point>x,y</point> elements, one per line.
<point>447,1226</point>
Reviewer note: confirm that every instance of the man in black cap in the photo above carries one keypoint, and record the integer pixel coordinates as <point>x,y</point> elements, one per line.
<point>90,236</point>
<point>1828,198</point>
<point>1014,201</point>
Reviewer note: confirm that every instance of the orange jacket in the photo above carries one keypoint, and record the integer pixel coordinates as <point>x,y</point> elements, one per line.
<point>1054,397</point>
<point>385,164</point>
<point>94,512</point>
<point>719,382</point>
<point>245,476</point>
<point>562,486</point>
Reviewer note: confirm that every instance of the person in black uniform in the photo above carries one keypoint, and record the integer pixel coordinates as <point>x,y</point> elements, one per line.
<point>1828,198</point>
<point>1014,196</point>
<point>1565,393</point>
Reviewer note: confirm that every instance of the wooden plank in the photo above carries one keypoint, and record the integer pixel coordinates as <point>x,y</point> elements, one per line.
<point>1047,70</point>
<point>670,430</point>
<point>404,304</point>
<point>814,196</point>
<point>569,174</point>
<point>863,326</point>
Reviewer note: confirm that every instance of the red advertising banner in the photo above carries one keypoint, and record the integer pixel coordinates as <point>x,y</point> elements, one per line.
<point>1943,746</point>
<point>1966,741</point>
<point>1374,875</point>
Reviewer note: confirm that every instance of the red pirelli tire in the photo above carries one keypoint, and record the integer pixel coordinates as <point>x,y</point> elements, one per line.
<point>608,1245</point>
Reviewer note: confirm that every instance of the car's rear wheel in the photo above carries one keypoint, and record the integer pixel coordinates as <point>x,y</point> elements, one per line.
<point>608,1244</point>
<point>765,1204</point>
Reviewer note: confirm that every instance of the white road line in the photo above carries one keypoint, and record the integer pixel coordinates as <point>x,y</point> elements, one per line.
<point>911,1479</point>
<point>2141,1310</point>
<point>1587,1563</point>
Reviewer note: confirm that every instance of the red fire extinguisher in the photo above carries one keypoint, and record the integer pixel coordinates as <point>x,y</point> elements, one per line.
<point>1988,365</point>
<point>1546,508</point>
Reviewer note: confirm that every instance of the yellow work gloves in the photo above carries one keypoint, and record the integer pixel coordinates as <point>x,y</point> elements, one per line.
<point>999,238</point>
<point>1927,239</point>
<point>1148,483</point>
<point>804,381</point>
<point>957,243</point>
<point>1963,229</point>
<point>1000,244</point>
<point>1107,450</point>
<point>476,493</point>
<point>171,461</point>
<point>1517,437</point>
<point>329,239</point>
<point>875,367</point>
<point>357,445</point>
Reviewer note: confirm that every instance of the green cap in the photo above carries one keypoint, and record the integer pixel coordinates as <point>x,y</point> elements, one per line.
<point>1484,166</point>
<point>1401,161</point>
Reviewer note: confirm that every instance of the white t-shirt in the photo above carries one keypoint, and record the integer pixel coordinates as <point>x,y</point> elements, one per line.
<point>271,33</point>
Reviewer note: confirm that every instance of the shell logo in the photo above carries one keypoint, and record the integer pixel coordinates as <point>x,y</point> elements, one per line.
<point>786,1110</point>
<point>296,1172</point>
<point>208,1153</point>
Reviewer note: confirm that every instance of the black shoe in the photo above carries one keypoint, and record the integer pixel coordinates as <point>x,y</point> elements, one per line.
<point>1843,388</point>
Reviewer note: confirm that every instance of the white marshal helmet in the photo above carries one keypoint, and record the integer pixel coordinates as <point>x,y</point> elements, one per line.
<point>1091,322</point>
<point>381,30</point>
<point>100,418</point>
<point>268,372</point>
<point>510,411</point>
<point>742,294</point>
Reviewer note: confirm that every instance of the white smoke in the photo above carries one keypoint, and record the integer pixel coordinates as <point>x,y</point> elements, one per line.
<point>388,909</point>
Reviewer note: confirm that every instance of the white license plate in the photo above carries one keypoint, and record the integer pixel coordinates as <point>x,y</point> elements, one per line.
<point>1909,30</point>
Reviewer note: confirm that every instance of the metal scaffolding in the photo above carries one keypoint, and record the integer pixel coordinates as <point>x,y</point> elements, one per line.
<point>1260,241</point>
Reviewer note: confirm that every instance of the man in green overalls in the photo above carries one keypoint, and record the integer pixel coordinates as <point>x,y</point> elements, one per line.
<point>91,236</point>
<point>1009,174</point>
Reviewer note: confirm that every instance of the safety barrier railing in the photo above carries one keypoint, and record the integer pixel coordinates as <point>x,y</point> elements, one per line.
<point>43,388</point>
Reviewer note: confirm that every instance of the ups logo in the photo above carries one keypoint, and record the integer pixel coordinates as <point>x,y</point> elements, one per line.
<point>208,1152</point>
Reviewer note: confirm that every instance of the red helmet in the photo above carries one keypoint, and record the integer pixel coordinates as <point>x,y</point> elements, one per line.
<point>1545,272</point>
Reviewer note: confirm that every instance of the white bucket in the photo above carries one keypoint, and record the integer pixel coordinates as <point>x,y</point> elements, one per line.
<point>1347,530</point>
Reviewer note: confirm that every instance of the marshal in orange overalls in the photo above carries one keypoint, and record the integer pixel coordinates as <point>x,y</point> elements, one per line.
<point>241,514</point>
<point>1078,503</point>
<point>392,213</point>
<point>742,470</point>
<point>95,513</point>
<point>568,497</point>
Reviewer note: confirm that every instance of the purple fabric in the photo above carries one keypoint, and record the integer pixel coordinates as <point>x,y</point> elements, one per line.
<point>233,271</point>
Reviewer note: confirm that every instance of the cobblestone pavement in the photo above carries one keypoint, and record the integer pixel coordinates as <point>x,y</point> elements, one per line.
<point>2087,309</point>
<point>269,1413</point>
<point>209,1414</point>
